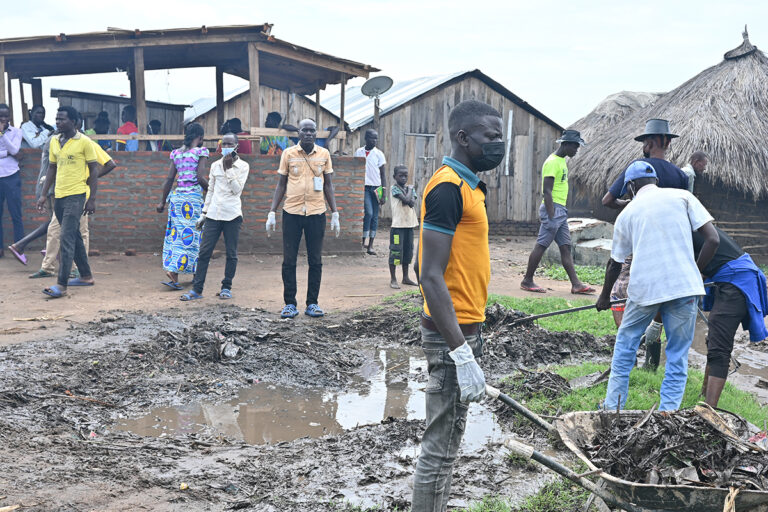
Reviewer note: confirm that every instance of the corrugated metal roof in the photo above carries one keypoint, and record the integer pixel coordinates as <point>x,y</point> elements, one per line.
<point>205,105</point>
<point>359,108</point>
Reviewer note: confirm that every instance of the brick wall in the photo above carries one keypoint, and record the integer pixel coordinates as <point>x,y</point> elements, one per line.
<point>511,228</point>
<point>125,209</point>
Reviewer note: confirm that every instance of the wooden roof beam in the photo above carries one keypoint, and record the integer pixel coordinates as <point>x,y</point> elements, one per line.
<point>313,60</point>
<point>58,44</point>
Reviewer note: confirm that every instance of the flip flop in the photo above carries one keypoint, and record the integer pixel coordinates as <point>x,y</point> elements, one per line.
<point>190,295</point>
<point>534,289</point>
<point>314,311</point>
<point>587,290</point>
<point>224,294</point>
<point>41,273</point>
<point>79,282</point>
<point>173,285</point>
<point>19,255</point>
<point>55,292</point>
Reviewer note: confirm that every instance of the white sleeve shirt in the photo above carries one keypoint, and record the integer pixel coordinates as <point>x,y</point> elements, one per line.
<point>34,137</point>
<point>222,201</point>
<point>656,229</point>
<point>373,161</point>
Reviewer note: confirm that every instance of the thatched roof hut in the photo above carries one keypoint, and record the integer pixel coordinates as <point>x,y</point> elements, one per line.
<point>723,110</point>
<point>613,110</point>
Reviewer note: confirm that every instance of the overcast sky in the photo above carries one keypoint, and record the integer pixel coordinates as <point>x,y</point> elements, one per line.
<point>561,57</point>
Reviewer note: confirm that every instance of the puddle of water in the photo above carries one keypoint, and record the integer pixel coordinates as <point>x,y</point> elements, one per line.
<point>754,364</point>
<point>266,413</point>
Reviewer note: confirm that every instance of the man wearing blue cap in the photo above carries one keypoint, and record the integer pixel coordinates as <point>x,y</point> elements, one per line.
<point>554,215</point>
<point>656,139</point>
<point>656,229</point>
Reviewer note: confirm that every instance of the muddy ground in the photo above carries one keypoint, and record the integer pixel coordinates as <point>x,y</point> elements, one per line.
<point>63,402</point>
<point>132,283</point>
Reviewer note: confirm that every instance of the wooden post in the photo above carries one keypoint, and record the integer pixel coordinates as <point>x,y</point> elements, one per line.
<point>140,100</point>
<point>255,93</point>
<point>219,97</point>
<point>3,97</point>
<point>37,91</point>
<point>24,107</point>
<point>317,109</point>
<point>343,100</point>
<point>10,97</point>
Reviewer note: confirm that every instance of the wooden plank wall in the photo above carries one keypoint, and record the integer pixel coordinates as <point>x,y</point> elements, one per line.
<point>172,119</point>
<point>513,197</point>
<point>272,100</point>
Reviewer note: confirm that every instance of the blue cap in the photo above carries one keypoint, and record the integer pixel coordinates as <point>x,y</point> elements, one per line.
<point>636,170</point>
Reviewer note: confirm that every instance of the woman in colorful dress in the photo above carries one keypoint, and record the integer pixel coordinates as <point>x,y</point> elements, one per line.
<point>185,204</point>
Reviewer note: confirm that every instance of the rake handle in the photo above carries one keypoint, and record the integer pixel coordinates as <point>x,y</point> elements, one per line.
<point>529,453</point>
<point>574,310</point>
<point>520,409</point>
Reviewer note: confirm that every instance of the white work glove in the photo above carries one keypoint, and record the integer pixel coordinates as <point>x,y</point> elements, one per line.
<point>471,378</point>
<point>335,226</point>
<point>200,222</point>
<point>271,223</point>
<point>653,332</point>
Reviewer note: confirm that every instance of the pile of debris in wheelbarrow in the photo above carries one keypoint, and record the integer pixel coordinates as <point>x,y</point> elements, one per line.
<point>687,448</point>
<point>697,459</point>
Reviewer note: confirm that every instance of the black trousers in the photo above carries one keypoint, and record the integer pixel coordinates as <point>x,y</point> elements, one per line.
<point>400,246</point>
<point>313,227</point>
<point>728,311</point>
<point>68,211</point>
<point>212,230</point>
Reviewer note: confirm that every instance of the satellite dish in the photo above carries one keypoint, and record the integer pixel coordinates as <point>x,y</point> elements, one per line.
<point>376,86</point>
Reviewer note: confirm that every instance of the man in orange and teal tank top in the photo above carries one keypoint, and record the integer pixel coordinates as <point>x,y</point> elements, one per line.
<point>554,215</point>
<point>455,268</point>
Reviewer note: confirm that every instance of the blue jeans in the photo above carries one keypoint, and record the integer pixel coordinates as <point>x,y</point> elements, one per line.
<point>10,193</point>
<point>679,318</point>
<point>446,420</point>
<point>371,217</point>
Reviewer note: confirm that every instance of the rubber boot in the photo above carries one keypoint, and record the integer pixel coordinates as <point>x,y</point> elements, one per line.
<point>652,356</point>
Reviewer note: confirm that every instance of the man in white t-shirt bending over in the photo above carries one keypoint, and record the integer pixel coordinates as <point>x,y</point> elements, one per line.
<point>375,186</point>
<point>656,228</point>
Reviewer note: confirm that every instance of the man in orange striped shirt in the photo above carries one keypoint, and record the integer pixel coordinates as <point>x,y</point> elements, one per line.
<point>455,267</point>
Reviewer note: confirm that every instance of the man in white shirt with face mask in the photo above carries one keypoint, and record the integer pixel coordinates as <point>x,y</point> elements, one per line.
<point>222,213</point>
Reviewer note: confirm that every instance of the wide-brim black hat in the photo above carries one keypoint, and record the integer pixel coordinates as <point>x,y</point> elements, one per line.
<point>656,127</point>
<point>571,136</point>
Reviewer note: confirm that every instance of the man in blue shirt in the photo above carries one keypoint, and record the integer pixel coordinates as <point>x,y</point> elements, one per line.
<point>656,140</point>
<point>738,297</point>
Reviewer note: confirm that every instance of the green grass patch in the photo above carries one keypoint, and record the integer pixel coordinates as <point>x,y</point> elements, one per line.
<point>587,273</point>
<point>405,300</point>
<point>644,389</point>
<point>591,321</point>
<point>556,496</point>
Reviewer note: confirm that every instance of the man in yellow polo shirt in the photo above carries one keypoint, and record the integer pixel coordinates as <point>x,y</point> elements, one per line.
<point>455,269</point>
<point>554,215</point>
<point>305,183</point>
<point>74,168</point>
<point>53,238</point>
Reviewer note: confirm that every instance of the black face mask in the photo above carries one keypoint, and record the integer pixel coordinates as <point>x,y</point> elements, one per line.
<point>493,154</point>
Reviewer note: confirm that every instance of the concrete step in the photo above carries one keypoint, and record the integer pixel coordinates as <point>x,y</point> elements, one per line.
<point>591,239</point>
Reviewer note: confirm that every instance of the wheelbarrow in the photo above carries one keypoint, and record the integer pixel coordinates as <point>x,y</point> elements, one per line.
<point>574,429</point>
